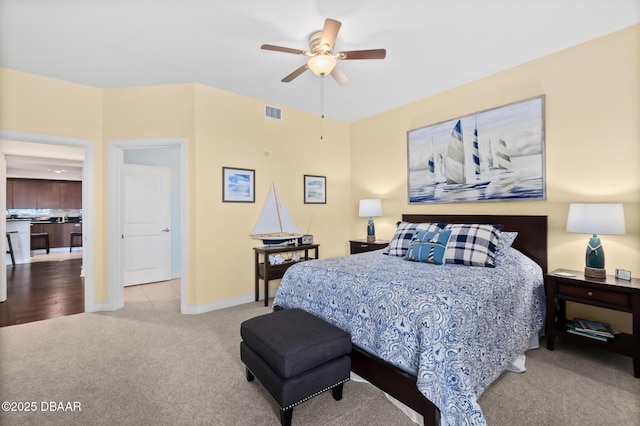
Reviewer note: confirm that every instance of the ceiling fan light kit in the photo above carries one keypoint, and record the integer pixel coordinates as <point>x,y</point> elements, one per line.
<point>322,59</point>
<point>322,64</point>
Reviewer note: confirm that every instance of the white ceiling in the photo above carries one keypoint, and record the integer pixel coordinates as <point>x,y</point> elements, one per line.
<point>432,45</point>
<point>42,161</point>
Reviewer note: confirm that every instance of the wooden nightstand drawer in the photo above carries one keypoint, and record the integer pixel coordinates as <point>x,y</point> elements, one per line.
<point>610,297</point>
<point>362,246</point>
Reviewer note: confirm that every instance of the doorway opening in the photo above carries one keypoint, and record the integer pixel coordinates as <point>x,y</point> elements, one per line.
<point>171,153</point>
<point>14,143</point>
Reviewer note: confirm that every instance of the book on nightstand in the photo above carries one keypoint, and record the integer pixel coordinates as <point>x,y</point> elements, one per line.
<point>595,327</point>
<point>571,328</point>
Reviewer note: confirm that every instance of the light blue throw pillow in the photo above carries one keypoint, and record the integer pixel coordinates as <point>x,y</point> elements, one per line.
<point>428,247</point>
<point>400,242</point>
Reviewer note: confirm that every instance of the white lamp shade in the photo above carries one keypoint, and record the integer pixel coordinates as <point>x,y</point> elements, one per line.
<point>599,219</point>
<point>370,207</point>
<point>322,64</point>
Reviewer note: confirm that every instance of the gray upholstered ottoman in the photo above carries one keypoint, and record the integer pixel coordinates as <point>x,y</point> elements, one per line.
<point>296,356</point>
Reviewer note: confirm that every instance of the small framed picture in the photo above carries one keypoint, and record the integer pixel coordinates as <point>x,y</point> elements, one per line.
<point>623,274</point>
<point>238,185</point>
<point>315,189</point>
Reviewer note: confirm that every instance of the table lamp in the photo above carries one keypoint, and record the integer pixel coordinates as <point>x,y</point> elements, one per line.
<point>595,219</point>
<point>370,207</point>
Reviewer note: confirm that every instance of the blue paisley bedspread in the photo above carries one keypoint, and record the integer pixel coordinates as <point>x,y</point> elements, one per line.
<point>455,327</point>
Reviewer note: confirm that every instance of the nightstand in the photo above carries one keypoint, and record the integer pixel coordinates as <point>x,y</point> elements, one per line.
<point>610,293</point>
<point>361,246</point>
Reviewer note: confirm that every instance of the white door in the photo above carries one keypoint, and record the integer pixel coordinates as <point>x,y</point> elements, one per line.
<point>146,238</point>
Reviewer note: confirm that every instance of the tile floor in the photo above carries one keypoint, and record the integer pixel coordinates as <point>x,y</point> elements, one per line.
<point>161,295</point>
<point>54,256</point>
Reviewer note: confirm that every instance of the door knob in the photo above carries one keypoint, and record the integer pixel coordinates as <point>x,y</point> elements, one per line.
<point>165,230</point>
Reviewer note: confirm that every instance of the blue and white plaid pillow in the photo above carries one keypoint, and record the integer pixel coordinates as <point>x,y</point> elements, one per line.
<point>472,245</point>
<point>399,244</point>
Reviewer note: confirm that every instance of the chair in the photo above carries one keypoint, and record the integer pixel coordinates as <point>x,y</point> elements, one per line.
<point>10,247</point>
<point>38,236</point>
<point>74,236</point>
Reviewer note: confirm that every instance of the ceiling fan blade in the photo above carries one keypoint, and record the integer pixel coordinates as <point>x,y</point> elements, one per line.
<point>362,54</point>
<point>340,77</point>
<point>282,49</point>
<point>294,74</point>
<point>330,32</point>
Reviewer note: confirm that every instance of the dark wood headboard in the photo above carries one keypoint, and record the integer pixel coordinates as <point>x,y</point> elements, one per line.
<point>532,230</point>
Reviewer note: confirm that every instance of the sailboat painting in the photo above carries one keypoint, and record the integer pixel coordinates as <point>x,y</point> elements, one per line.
<point>275,225</point>
<point>492,155</point>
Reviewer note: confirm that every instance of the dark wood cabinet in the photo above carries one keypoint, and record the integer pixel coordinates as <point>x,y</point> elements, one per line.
<point>70,194</point>
<point>37,244</point>
<point>43,194</point>
<point>67,228</point>
<point>48,195</point>
<point>9,194</point>
<point>59,234</point>
<point>25,193</point>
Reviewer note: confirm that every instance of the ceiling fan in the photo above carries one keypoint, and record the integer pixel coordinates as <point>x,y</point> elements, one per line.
<point>322,59</point>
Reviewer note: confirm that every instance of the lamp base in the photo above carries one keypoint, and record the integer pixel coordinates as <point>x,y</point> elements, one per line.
<point>595,272</point>
<point>371,238</point>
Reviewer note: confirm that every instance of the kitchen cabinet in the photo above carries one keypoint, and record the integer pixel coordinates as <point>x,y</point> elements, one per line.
<point>9,194</point>
<point>48,195</point>
<point>66,232</point>
<point>25,192</point>
<point>43,194</point>
<point>59,233</point>
<point>70,194</point>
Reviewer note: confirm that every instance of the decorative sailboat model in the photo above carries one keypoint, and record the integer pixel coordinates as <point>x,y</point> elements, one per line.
<point>275,226</point>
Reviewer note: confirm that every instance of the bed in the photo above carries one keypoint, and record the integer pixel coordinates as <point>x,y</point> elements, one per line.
<point>400,350</point>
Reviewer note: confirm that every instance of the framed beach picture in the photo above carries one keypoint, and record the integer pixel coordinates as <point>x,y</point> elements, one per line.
<point>491,155</point>
<point>238,185</point>
<point>315,189</point>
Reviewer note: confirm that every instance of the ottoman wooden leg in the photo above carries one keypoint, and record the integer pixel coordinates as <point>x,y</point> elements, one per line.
<point>250,376</point>
<point>286,416</point>
<point>337,392</point>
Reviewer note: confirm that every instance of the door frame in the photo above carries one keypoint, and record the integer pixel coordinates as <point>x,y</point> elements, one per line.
<point>115,149</point>
<point>88,209</point>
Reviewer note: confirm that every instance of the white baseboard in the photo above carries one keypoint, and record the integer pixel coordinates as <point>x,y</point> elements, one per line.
<point>221,304</point>
<point>100,307</point>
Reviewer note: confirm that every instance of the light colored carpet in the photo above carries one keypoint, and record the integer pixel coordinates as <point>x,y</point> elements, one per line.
<point>141,366</point>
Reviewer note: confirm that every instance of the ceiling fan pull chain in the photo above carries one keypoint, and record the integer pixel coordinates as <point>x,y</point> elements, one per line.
<point>321,104</point>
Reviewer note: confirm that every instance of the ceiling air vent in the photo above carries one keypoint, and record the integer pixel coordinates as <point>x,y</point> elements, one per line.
<point>272,112</point>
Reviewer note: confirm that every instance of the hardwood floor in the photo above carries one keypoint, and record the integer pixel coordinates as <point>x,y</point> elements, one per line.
<point>41,290</point>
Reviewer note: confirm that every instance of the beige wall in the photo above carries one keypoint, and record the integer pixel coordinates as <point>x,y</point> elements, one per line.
<point>231,131</point>
<point>592,101</point>
<point>34,104</point>
<point>225,129</point>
